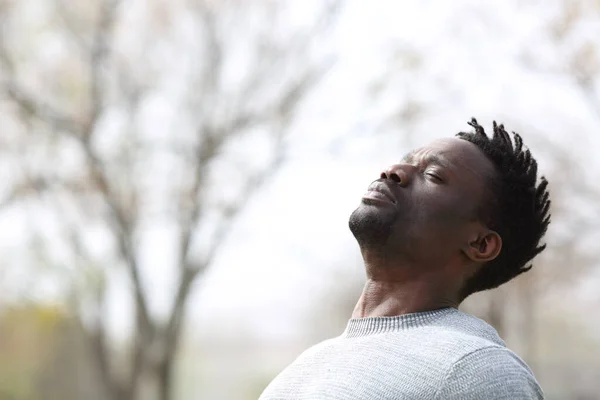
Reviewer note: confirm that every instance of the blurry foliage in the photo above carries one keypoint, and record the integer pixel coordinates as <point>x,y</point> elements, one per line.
<point>26,336</point>
<point>43,357</point>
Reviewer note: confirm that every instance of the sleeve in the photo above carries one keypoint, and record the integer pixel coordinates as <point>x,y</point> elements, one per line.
<point>492,373</point>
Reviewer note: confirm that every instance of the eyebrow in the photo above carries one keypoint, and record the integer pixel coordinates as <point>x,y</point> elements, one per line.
<point>429,159</point>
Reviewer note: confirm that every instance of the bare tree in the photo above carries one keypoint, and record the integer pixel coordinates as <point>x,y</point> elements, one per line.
<point>234,70</point>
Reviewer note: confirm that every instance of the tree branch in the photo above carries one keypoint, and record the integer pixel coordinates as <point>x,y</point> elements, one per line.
<point>67,23</point>
<point>95,330</point>
<point>191,270</point>
<point>281,112</point>
<point>124,232</point>
<point>28,103</point>
<point>211,139</point>
<point>214,139</point>
<point>57,120</point>
<point>98,55</point>
<point>124,225</point>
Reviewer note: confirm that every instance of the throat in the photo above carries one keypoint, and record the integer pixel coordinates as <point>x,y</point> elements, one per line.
<point>392,298</point>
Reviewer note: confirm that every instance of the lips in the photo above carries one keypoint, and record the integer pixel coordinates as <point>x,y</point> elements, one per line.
<point>380,191</point>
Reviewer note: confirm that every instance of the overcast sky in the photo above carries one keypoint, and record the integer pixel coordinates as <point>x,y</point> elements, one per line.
<point>295,233</point>
<point>293,239</point>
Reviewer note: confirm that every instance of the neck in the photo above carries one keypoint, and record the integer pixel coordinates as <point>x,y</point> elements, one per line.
<point>390,294</point>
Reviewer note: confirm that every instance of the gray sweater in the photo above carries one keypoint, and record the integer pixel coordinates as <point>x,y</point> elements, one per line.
<point>442,354</point>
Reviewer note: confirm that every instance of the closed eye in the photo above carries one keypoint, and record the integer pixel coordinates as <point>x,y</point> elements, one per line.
<point>434,177</point>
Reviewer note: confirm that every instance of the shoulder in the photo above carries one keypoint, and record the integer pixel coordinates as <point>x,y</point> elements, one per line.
<point>457,334</point>
<point>317,348</point>
<point>492,372</point>
<point>471,327</point>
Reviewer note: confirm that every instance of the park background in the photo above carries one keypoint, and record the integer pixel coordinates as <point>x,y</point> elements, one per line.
<point>177,175</point>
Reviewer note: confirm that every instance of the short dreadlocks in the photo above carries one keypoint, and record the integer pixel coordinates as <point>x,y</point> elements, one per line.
<point>518,210</point>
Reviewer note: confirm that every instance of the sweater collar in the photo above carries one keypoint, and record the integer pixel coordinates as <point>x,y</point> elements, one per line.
<point>358,327</point>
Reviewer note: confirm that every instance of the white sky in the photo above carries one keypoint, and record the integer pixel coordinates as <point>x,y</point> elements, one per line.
<point>471,70</point>
<point>293,239</point>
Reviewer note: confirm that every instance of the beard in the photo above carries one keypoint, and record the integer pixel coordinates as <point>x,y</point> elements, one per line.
<point>372,226</point>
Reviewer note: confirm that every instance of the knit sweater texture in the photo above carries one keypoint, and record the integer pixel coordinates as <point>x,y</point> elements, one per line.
<point>434,355</point>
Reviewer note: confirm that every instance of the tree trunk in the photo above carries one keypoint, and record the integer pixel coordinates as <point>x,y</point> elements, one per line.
<point>165,378</point>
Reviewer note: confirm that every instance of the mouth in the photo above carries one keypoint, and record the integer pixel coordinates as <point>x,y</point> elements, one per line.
<point>379,192</point>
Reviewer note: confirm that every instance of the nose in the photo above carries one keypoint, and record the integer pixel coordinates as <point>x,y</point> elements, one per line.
<point>398,173</point>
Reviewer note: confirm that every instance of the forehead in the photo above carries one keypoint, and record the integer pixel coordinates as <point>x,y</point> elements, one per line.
<point>463,158</point>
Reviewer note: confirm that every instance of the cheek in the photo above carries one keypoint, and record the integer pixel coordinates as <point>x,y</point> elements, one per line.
<point>447,212</point>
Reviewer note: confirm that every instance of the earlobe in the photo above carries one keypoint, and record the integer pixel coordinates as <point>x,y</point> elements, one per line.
<point>485,248</point>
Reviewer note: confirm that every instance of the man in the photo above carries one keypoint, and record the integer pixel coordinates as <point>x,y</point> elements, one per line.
<point>456,217</point>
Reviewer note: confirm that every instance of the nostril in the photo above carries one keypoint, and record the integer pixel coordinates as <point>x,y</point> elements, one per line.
<point>395,178</point>
<point>383,175</point>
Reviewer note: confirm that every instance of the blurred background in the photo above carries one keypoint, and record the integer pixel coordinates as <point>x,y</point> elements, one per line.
<point>177,176</point>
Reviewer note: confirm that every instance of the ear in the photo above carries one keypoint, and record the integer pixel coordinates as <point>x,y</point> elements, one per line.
<point>483,248</point>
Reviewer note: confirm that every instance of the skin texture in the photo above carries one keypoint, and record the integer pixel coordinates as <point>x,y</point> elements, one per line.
<point>419,230</point>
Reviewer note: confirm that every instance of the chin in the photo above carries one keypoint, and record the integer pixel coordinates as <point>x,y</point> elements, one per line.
<point>371,225</point>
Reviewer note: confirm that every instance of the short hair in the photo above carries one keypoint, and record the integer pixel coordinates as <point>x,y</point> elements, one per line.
<point>518,211</point>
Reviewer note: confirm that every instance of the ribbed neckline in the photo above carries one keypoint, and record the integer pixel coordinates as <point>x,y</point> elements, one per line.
<point>358,327</point>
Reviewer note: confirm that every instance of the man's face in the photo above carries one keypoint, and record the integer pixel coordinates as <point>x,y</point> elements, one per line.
<point>423,207</point>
